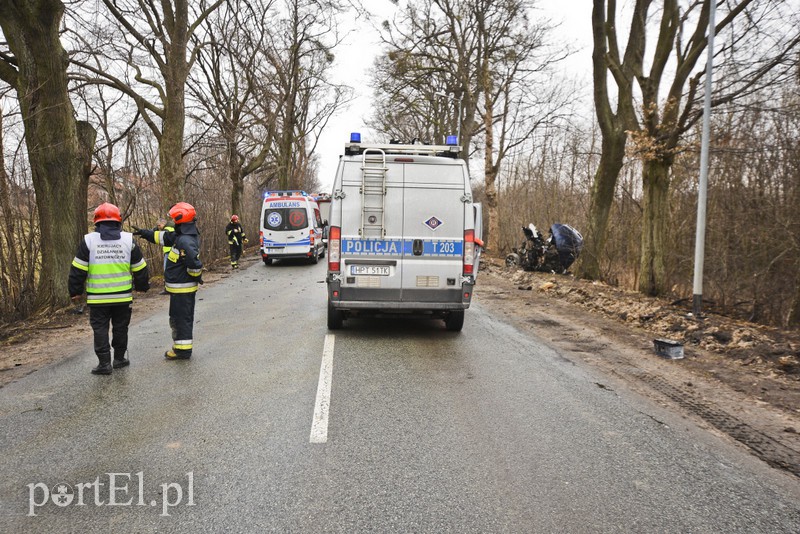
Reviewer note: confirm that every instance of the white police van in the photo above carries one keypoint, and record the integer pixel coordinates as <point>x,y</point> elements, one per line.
<point>291,227</point>
<point>405,235</point>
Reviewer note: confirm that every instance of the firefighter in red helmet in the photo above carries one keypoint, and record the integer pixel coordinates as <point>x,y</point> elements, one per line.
<point>236,240</point>
<point>182,275</point>
<point>109,266</point>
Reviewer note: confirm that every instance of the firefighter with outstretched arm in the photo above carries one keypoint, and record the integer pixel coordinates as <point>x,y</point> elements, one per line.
<point>182,275</point>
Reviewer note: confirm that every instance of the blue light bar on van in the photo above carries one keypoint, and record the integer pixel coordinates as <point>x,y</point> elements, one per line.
<point>355,137</point>
<point>452,140</point>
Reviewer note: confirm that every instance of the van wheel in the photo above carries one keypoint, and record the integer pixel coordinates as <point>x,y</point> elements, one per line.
<point>267,261</point>
<point>322,252</point>
<point>314,257</point>
<point>454,320</point>
<point>335,317</point>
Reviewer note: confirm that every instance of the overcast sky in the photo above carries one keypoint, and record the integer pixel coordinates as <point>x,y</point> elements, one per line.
<point>356,55</point>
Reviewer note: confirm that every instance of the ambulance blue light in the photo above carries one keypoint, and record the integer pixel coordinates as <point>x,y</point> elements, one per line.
<point>355,137</point>
<point>452,140</point>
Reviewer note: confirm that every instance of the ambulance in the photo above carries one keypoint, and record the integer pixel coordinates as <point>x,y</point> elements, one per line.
<point>291,227</point>
<point>405,234</point>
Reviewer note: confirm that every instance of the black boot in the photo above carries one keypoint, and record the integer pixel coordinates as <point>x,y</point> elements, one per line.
<point>120,361</point>
<point>104,368</point>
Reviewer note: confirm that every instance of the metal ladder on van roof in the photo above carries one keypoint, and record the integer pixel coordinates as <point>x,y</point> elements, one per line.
<point>373,193</point>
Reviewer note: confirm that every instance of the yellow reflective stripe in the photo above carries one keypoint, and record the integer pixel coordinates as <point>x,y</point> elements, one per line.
<point>167,229</point>
<point>192,289</point>
<point>195,272</point>
<point>110,268</point>
<point>182,344</point>
<point>121,297</point>
<point>158,237</point>
<point>139,266</point>
<point>80,264</point>
<point>106,283</point>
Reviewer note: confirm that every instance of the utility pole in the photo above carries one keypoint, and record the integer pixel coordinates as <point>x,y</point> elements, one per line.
<point>702,189</point>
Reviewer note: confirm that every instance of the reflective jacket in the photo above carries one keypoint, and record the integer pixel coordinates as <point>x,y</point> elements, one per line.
<point>184,268</point>
<point>109,266</point>
<point>235,234</point>
<point>167,229</point>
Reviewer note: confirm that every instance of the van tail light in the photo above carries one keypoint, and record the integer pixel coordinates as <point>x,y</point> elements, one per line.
<point>334,248</point>
<point>311,236</point>
<point>469,251</point>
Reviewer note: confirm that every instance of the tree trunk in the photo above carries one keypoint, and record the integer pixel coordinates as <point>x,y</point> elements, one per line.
<point>602,198</point>
<point>170,153</point>
<point>655,221</point>
<point>58,148</point>
<point>170,147</point>
<point>490,179</point>
<point>793,320</point>
<point>237,187</point>
<point>793,317</point>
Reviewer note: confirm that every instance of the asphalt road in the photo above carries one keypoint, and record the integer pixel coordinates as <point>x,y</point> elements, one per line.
<point>487,430</point>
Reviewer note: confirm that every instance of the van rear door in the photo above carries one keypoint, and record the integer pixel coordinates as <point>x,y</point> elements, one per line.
<point>371,231</point>
<point>433,231</point>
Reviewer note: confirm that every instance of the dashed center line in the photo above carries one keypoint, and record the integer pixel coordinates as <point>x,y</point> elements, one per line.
<point>319,426</point>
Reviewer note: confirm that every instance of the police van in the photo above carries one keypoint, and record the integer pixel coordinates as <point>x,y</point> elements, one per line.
<point>405,234</point>
<point>291,227</point>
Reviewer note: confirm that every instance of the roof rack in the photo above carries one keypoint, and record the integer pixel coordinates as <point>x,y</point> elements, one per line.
<point>450,151</point>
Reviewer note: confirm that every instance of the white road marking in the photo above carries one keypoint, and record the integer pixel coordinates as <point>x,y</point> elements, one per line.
<point>319,426</point>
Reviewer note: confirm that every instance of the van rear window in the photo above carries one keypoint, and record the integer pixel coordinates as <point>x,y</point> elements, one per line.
<point>285,218</point>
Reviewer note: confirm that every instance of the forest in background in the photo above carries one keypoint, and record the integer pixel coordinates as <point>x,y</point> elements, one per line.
<point>215,102</point>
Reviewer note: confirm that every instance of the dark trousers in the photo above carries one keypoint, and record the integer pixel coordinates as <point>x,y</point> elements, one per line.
<point>236,253</point>
<point>119,316</point>
<point>181,320</point>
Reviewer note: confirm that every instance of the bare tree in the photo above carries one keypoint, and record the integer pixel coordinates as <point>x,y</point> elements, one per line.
<point>163,32</point>
<point>614,124</point>
<point>659,128</point>
<point>236,103</point>
<point>486,53</point>
<point>301,54</point>
<point>59,147</point>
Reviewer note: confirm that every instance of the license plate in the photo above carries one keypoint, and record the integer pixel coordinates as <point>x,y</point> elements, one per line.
<point>273,250</point>
<point>370,270</point>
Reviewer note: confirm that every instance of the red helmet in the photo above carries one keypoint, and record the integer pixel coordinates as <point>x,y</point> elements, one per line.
<point>234,218</point>
<point>182,212</point>
<point>106,212</point>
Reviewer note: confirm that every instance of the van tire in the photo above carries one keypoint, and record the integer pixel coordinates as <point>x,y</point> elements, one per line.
<point>267,261</point>
<point>454,321</point>
<point>314,259</point>
<point>335,317</point>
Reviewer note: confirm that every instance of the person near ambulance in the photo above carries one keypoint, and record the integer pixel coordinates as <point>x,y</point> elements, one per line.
<point>108,265</point>
<point>183,274</point>
<point>236,240</point>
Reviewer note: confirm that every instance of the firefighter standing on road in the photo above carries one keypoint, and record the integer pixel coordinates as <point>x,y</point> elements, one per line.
<point>109,265</point>
<point>236,240</point>
<point>182,275</point>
